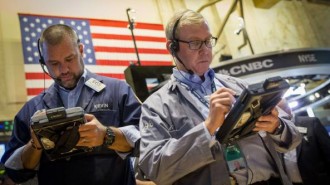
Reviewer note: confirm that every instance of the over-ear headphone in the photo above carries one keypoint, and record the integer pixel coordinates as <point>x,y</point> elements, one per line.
<point>174,47</point>
<point>41,58</point>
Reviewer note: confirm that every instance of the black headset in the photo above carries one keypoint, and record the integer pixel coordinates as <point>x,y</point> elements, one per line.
<point>41,58</point>
<point>174,47</point>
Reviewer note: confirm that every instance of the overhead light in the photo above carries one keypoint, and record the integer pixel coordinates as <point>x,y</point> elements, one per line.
<point>302,85</point>
<point>311,97</point>
<point>317,95</point>
<point>293,104</point>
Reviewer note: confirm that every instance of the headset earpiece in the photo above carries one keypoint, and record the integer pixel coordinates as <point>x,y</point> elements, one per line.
<point>41,58</point>
<point>174,47</point>
<point>175,43</point>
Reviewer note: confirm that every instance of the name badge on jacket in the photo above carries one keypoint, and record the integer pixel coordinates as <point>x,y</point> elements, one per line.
<point>95,84</point>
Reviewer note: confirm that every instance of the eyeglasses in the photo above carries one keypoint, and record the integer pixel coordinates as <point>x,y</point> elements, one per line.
<point>197,44</point>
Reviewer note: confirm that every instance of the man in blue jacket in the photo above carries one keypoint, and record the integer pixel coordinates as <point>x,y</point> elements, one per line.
<point>112,116</point>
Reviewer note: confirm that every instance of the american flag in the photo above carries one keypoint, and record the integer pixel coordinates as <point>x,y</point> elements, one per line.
<point>109,46</point>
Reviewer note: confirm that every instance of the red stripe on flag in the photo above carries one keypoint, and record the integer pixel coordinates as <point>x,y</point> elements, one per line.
<point>111,23</point>
<point>127,37</point>
<point>119,76</point>
<point>36,76</point>
<point>126,63</point>
<point>123,24</point>
<point>34,91</point>
<point>113,62</point>
<point>155,63</point>
<point>129,50</point>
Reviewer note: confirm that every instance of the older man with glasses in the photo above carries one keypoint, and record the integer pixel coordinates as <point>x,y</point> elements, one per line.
<point>178,122</point>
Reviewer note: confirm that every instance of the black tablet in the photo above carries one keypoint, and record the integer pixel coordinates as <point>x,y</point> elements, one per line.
<point>57,131</point>
<point>256,100</point>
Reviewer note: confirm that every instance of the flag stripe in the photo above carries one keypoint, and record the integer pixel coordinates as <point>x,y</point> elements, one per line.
<point>125,23</point>
<point>34,76</point>
<point>128,50</point>
<point>126,63</point>
<point>127,37</point>
<point>34,91</point>
<point>126,31</point>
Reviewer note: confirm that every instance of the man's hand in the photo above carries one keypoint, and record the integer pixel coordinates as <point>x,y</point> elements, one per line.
<point>34,140</point>
<point>221,102</point>
<point>268,123</point>
<point>92,132</point>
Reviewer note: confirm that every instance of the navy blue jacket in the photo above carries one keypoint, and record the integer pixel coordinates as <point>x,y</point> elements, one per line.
<point>120,107</point>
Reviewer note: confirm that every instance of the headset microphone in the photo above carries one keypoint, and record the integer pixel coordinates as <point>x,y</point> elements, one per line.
<point>54,78</point>
<point>177,57</point>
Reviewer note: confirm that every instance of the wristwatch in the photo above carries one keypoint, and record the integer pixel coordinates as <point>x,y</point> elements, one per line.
<point>279,129</point>
<point>109,137</point>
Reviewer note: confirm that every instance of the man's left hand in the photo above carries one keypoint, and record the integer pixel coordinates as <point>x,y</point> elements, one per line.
<point>268,123</point>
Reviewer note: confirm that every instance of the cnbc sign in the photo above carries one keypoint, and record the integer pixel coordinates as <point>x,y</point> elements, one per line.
<point>243,69</point>
<point>274,61</point>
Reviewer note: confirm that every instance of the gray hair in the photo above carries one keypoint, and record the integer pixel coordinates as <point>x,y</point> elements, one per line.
<point>183,17</point>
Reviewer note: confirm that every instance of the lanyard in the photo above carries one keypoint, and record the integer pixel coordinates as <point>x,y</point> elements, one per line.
<point>198,96</point>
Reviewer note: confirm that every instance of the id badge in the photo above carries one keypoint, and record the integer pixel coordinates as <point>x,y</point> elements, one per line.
<point>234,157</point>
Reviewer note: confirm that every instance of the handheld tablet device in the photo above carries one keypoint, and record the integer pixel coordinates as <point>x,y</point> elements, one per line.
<point>57,131</point>
<point>256,100</point>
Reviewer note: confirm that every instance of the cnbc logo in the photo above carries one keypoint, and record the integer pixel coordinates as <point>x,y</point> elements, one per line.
<point>241,69</point>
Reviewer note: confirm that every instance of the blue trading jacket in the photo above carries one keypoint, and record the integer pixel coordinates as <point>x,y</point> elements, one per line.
<point>116,105</point>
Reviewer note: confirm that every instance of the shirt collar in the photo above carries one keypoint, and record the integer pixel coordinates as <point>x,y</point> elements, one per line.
<point>70,97</point>
<point>193,80</point>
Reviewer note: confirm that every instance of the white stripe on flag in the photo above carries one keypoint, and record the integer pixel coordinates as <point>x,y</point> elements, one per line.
<point>129,44</point>
<point>126,31</point>
<point>131,56</point>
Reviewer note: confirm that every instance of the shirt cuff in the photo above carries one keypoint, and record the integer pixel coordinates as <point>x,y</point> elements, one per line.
<point>132,135</point>
<point>14,161</point>
<point>210,137</point>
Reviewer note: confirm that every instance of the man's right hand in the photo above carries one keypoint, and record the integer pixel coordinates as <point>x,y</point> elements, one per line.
<point>221,102</point>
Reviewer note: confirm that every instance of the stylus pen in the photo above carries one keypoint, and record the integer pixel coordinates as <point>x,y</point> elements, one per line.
<point>208,97</point>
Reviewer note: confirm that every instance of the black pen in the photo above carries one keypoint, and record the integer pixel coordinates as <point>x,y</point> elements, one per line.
<point>207,97</point>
